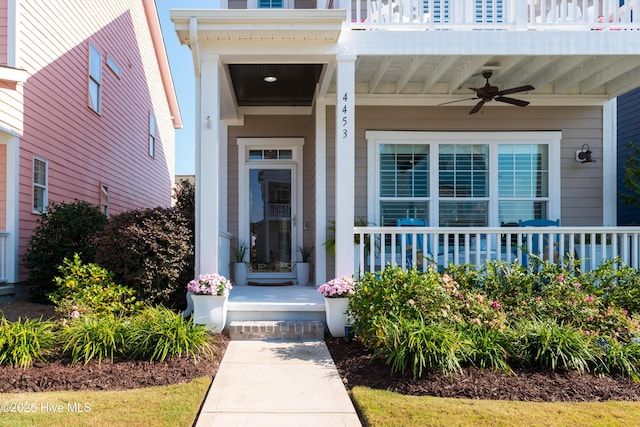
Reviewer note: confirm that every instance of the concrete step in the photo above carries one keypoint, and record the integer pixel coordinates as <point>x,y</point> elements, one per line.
<point>283,330</point>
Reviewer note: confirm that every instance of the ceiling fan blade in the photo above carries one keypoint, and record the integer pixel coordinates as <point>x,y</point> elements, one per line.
<point>458,100</point>
<point>515,90</point>
<point>513,101</point>
<point>477,107</point>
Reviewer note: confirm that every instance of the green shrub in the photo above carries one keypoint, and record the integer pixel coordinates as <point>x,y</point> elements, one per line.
<point>89,289</point>
<point>550,345</point>
<point>93,337</point>
<point>157,333</point>
<point>412,344</point>
<point>185,197</point>
<point>617,284</point>
<point>65,229</point>
<point>488,347</point>
<point>22,342</point>
<point>150,251</point>
<point>619,358</point>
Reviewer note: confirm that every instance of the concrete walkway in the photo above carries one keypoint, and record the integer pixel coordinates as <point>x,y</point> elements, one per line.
<point>277,383</point>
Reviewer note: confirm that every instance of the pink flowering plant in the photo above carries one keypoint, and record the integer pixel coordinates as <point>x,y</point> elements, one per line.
<point>210,284</point>
<point>339,287</point>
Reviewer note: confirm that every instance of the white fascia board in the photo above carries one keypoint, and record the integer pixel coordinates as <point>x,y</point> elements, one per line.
<point>14,75</point>
<point>491,42</point>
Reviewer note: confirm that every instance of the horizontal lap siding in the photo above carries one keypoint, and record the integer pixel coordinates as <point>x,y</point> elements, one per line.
<point>628,131</point>
<point>581,185</point>
<point>83,148</point>
<point>3,31</point>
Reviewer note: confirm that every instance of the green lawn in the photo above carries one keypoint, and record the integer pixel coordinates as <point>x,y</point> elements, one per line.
<point>174,405</point>
<point>383,408</point>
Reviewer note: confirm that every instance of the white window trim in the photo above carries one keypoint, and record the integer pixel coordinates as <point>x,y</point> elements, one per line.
<point>113,66</point>
<point>153,134</point>
<point>104,199</point>
<point>434,139</point>
<point>91,78</point>
<point>45,187</point>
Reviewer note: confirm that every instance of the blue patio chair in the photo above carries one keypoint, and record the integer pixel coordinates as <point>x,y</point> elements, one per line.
<point>412,222</point>
<point>535,248</point>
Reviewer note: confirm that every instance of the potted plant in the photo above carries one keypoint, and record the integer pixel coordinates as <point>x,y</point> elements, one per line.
<point>210,294</point>
<point>336,294</point>
<point>240,266</point>
<point>303,268</point>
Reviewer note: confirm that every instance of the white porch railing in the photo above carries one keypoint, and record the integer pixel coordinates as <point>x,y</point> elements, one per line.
<point>3,256</point>
<point>493,14</point>
<point>424,246</point>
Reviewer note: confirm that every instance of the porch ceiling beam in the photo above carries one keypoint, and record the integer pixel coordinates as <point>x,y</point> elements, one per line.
<point>466,71</point>
<point>380,72</point>
<point>195,46</point>
<point>556,70</point>
<point>524,73</point>
<point>325,79</point>
<point>607,74</point>
<point>508,63</point>
<point>584,71</point>
<point>432,77</point>
<point>415,62</point>
<point>624,83</point>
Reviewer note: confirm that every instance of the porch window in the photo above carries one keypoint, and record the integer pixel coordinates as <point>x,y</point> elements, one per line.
<point>463,179</point>
<point>104,199</point>
<point>40,185</point>
<point>95,79</point>
<point>404,182</point>
<point>270,4</point>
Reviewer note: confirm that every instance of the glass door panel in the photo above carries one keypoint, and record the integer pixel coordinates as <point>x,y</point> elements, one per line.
<point>270,220</point>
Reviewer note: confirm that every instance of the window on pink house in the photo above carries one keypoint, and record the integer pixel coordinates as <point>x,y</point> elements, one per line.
<point>40,185</point>
<point>104,199</point>
<point>152,134</point>
<point>95,79</point>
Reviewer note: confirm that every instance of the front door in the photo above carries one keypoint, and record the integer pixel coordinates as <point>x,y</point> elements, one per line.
<point>268,222</point>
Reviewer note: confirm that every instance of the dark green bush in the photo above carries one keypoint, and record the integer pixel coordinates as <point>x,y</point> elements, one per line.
<point>150,251</point>
<point>185,197</point>
<point>88,288</point>
<point>22,342</point>
<point>65,229</point>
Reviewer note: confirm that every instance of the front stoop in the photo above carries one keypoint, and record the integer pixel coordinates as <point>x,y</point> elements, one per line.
<point>285,330</point>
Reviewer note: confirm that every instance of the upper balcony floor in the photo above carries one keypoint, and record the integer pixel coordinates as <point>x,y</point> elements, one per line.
<point>519,15</point>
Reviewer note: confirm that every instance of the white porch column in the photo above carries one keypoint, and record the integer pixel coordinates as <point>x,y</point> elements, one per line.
<point>345,163</point>
<point>321,192</point>
<point>12,212</point>
<point>208,165</point>
<point>609,163</point>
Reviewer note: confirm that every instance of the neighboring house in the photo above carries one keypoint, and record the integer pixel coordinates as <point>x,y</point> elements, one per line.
<point>313,112</point>
<point>628,131</point>
<point>87,112</point>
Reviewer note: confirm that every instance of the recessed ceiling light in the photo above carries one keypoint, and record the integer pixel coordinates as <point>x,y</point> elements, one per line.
<point>270,79</point>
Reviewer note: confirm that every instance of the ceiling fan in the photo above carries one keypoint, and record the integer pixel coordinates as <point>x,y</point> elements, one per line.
<point>488,93</point>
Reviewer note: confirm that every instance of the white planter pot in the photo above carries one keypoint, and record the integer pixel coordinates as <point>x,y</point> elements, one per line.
<point>210,310</point>
<point>336,313</point>
<point>303,270</point>
<point>240,273</point>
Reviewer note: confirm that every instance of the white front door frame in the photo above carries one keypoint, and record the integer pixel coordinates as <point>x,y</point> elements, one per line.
<point>295,164</point>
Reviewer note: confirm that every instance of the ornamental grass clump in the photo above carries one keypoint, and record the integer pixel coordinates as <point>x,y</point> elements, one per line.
<point>93,337</point>
<point>25,341</point>
<point>157,333</point>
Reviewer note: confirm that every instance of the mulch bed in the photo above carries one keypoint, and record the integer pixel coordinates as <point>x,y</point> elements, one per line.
<point>358,368</point>
<point>108,375</point>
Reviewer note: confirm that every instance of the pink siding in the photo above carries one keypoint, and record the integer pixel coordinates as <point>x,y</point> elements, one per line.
<point>3,31</point>
<point>84,149</point>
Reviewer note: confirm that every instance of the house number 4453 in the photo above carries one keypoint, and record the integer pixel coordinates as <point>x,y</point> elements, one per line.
<point>345,120</point>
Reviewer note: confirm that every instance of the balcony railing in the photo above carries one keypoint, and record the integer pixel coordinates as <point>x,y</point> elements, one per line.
<point>421,247</point>
<point>493,14</point>
<point>3,256</point>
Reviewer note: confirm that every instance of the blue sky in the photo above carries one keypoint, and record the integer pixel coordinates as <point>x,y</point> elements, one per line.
<point>183,80</point>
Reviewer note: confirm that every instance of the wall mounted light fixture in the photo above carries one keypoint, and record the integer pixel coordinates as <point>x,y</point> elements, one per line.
<point>584,155</point>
